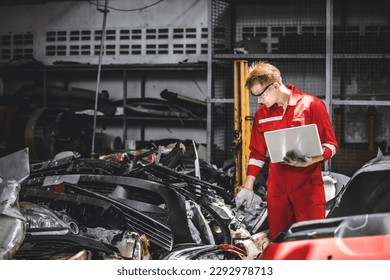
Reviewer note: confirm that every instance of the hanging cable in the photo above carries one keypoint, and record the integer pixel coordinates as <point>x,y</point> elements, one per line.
<point>129,10</point>
<point>104,11</point>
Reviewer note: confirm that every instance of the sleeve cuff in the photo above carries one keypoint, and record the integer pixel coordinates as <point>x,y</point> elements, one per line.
<point>253,170</point>
<point>327,153</point>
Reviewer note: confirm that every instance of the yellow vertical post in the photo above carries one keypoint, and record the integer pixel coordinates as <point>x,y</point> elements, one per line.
<point>237,128</point>
<point>242,121</point>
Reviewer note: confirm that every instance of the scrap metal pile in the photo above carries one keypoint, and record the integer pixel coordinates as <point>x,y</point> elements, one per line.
<point>154,203</point>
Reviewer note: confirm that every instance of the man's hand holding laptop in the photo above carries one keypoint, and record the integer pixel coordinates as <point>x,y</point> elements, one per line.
<point>297,159</point>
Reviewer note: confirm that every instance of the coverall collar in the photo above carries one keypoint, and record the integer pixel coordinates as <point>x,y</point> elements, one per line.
<point>295,96</point>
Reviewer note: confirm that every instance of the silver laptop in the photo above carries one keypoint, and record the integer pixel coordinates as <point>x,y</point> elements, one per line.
<point>304,139</point>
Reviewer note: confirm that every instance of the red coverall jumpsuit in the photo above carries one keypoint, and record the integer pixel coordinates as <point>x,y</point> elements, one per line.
<point>294,194</point>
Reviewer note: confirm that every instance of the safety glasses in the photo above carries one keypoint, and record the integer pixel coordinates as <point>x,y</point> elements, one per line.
<point>261,93</point>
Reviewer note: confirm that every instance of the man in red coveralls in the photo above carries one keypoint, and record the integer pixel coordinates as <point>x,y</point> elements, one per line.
<point>295,189</point>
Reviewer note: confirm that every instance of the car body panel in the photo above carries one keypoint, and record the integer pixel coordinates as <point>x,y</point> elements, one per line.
<point>354,248</point>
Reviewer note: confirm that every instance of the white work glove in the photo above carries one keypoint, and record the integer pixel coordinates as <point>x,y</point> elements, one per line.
<point>244,197</point>
<point>297,159</point>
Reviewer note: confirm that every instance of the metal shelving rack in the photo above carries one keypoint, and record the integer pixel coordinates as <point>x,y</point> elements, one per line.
<point>327,48</point>
<point>43,72</point>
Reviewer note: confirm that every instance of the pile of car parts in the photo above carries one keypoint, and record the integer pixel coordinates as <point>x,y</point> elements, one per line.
<point>82,208</point>
<point>155,203</point>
